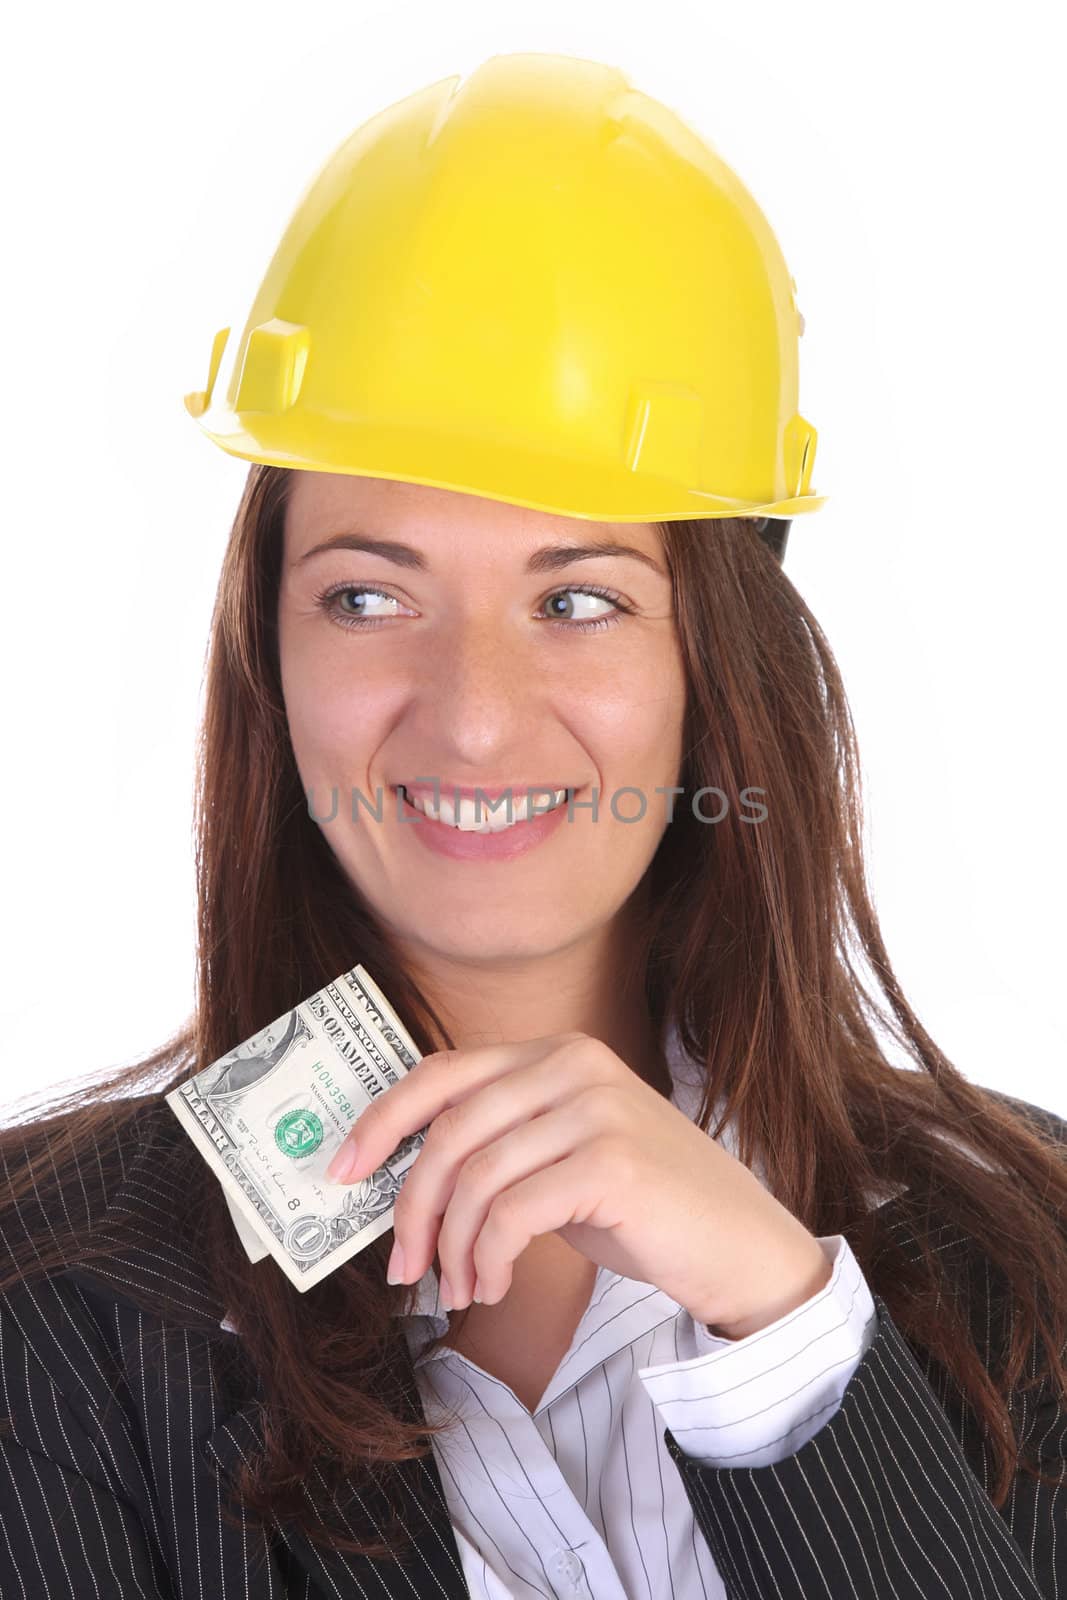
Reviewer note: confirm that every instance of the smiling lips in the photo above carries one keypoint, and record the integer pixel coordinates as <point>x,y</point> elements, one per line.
<point>487,810</point>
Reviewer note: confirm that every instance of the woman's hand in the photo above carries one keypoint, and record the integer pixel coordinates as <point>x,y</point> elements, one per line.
<point>558,1134</point>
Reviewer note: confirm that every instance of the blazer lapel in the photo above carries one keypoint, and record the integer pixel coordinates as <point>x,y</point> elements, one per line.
<point>430,1567</point>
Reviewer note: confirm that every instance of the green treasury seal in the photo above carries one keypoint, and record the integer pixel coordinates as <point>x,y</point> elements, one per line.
<point>298,1133</point>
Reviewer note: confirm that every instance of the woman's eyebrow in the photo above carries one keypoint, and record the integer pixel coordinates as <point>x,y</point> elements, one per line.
<point>548,559</point>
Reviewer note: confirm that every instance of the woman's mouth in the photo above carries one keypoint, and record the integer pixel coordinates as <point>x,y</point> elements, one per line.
<point>488,835</point>
<point>482,815</point>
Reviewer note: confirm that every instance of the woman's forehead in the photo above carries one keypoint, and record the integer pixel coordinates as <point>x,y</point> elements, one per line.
<point>322,504</point>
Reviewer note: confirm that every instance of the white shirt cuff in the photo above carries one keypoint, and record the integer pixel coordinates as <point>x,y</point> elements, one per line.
<point>751,1402</point>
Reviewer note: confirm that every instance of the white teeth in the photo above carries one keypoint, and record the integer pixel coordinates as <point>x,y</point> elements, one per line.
<point>492,820</point>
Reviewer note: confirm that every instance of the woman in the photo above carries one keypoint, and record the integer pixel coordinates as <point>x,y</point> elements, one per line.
<point>701,1294</point>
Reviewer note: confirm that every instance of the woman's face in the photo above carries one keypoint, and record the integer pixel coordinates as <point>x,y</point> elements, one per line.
<point>464,662</point>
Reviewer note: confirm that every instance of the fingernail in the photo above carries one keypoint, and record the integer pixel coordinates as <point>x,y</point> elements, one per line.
<point>343,1164</point>
<point>394,1272</point>
<point>445,1293</point>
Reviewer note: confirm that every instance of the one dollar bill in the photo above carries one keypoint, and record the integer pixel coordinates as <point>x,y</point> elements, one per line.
<point>269,1115</point>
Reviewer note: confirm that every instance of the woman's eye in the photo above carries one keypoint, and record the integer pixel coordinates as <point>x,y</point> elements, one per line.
<point>332,598</point>
<point>585,623</point>
<point>331,601</point>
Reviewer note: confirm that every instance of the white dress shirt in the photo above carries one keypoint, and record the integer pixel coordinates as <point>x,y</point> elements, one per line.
<point>581,1499</point>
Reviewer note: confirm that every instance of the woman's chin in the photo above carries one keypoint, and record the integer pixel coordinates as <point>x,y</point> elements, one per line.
<point>488,941</point>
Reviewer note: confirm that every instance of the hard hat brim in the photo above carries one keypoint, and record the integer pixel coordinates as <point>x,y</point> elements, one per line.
<point>492,470</point>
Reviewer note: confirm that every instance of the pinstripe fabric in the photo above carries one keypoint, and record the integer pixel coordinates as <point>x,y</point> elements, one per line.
<point>124,1428</point>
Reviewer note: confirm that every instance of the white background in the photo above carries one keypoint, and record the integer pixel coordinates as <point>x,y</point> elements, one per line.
<point>910,161</point>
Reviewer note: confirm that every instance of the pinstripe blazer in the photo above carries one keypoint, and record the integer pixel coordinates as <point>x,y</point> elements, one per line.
<point>121,1431</point>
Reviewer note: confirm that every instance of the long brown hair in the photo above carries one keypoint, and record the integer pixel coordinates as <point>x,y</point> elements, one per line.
<point>751,941</point>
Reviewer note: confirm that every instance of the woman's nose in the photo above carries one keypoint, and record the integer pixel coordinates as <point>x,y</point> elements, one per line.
<point>478,669</point>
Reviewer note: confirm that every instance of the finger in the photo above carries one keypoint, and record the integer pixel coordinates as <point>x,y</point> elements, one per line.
<point>536,1144</point>
<point>461,1131</point>
<point>409,1105</point>
<point>545,1201</point>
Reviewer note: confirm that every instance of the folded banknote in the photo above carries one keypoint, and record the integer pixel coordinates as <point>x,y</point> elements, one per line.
<point>269,1115</point>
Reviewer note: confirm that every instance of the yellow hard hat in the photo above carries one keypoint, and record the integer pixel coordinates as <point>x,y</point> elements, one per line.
<point>534,284</point>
